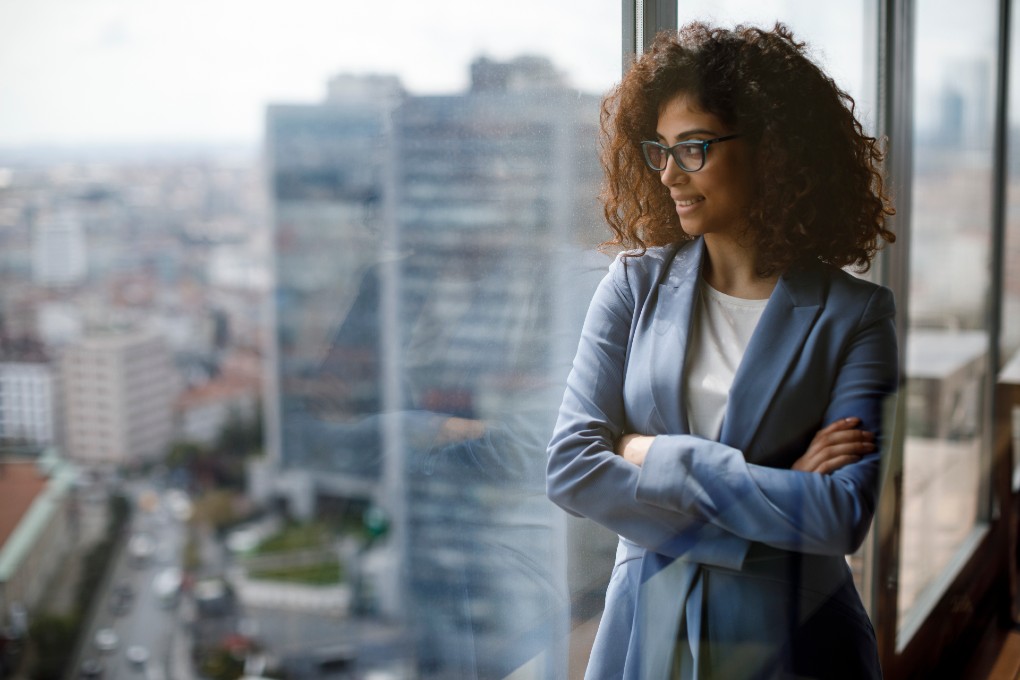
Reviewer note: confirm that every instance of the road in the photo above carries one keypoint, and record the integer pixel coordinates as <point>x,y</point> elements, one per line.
<point>149,620</point>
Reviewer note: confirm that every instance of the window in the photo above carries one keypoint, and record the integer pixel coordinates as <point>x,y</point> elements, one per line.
<point>416,201</point>
<point>945,458</point>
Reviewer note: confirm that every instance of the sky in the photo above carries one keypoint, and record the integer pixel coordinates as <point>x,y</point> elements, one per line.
<point>163,71</point>
<point>93,72</point>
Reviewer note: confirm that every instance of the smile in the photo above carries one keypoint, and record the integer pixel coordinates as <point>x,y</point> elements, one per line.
<point>686,202</point>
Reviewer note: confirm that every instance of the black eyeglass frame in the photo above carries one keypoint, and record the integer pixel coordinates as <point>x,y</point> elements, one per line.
<point>670,151</point>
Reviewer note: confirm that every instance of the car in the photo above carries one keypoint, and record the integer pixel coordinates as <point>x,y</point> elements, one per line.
<point>120,599</point>
<point>141,547</point>
<point>90,669</point>
<point>167,585</point>
<point>106,639</point>
<point>137,655</point>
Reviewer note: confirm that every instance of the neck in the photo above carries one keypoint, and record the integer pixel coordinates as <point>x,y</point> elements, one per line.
<point>730,267</point>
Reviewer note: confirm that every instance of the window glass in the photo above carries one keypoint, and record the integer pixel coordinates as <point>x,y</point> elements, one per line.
<point>1009,338</point>
<point>947,339</point>
<point>326,265</point>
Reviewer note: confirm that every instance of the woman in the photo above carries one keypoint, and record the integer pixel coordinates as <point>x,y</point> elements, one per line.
<point>724,410</point>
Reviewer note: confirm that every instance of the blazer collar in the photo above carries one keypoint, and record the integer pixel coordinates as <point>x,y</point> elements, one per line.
<point>776,342</point>
<point>666,346</point>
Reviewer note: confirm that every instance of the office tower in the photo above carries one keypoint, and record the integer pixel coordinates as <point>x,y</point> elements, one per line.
<point>430,280</point>
<point>119,390</point>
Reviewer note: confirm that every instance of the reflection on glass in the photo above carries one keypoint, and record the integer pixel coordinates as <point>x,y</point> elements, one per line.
<point>431,259</point>
<point>947,342</point>
<point>430,284</point>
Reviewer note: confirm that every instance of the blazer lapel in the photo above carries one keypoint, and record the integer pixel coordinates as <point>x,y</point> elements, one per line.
<point>775,344</point>
<point>670,327</point>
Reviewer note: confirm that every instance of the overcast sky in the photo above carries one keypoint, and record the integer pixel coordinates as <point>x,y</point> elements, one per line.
<point>100,71</point>
<point>124,71</point>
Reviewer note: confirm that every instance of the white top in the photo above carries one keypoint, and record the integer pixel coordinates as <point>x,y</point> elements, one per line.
<point>721,329</point>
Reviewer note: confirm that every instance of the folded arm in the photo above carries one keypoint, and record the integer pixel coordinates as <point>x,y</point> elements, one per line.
<point>584,474</point>
<point>788,509</point>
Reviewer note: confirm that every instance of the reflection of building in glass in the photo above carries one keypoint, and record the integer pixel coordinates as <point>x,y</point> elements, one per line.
<point>427,305</point>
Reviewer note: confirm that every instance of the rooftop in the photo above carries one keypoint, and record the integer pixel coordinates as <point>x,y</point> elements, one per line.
<point>21,482</point>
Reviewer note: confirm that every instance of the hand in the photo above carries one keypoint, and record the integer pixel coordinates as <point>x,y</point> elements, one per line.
<point>836,445</point>
<point>634,447</point>
<point>455,430</point>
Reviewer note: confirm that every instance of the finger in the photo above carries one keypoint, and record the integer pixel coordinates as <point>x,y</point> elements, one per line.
<point>847,436</point>
<point>835,464</point>
<point>841,424</point>
<point>812,462</point>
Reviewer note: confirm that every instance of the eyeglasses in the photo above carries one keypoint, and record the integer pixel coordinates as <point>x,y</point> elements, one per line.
<point>690,156</point>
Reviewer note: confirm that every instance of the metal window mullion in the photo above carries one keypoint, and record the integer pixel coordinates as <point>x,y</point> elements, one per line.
<point>1000,195</point>
<point>895,123</point>
<point>642,20</point>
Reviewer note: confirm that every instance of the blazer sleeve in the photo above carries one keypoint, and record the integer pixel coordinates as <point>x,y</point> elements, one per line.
<point>584,475</point>
<point>788,509</point>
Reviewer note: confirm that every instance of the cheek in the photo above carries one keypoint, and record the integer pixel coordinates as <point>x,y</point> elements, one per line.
<point>745,190</point>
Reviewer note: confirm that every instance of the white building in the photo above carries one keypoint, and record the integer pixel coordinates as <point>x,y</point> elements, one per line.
<point>58,251</point>
<point>119,393</point>
<point>27,401</point>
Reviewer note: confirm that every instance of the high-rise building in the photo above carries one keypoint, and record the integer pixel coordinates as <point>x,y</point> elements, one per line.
<point>425,320</point>
<point>119,391</point>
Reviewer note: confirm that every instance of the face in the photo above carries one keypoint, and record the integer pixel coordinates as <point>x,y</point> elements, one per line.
<point>715,199</point>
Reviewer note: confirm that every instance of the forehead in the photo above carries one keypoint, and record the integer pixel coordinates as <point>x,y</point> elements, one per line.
<point>683,113</point>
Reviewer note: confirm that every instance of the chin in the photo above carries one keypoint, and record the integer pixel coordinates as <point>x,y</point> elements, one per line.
<point>692,229</point>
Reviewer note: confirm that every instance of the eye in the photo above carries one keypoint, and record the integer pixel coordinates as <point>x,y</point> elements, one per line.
<point>691,151</point>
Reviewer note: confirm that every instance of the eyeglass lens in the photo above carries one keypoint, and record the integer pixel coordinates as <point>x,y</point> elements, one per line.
<point>689,157</point>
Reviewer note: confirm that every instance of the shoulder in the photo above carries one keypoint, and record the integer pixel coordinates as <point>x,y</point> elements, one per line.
<point>641,270</point>
<point>847,294</point>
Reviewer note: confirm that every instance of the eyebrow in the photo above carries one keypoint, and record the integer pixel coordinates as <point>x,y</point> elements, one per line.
<point>686,134</point>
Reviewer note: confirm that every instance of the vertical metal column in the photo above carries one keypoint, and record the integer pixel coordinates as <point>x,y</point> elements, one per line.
<point>642,20</point>
<point>895,123</point>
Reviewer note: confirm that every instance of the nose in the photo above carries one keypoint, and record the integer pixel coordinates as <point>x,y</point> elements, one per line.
<point>672,175</point>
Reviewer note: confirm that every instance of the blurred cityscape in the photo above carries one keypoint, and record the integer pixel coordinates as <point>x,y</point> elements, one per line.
<point>283,413</point>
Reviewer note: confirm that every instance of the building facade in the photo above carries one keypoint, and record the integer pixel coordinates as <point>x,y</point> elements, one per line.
<point>29,397</point>
<point>119,393</point>
<point>36,531</point>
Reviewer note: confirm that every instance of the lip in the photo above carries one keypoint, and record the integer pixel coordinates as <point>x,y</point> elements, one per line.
<point>687,204</point>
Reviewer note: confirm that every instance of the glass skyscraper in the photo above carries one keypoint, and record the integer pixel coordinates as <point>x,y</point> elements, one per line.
<point>434,261</point>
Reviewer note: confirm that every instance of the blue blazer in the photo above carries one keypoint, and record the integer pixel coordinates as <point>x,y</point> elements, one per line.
<point>721,541</point>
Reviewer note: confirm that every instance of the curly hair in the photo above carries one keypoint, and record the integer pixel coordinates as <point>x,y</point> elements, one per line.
<point>819,190</point>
